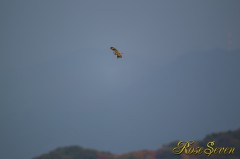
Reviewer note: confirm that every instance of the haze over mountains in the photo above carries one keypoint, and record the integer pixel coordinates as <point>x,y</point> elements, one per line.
<point>229,139</point>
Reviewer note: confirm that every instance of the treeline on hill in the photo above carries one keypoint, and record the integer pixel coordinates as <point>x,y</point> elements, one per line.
<point>223,139</point>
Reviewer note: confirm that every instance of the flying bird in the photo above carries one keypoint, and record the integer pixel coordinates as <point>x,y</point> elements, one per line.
<point>116,52</point>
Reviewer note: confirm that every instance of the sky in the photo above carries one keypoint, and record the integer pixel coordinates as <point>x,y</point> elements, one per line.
<point>61,84</point>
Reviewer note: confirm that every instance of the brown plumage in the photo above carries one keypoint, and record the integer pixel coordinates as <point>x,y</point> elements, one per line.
<point>116,52</point>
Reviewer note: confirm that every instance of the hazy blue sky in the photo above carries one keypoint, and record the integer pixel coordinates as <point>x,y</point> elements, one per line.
<point>61,85</point>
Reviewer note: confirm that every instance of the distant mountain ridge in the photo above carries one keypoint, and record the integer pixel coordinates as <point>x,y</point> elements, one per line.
<point>222,139</point>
